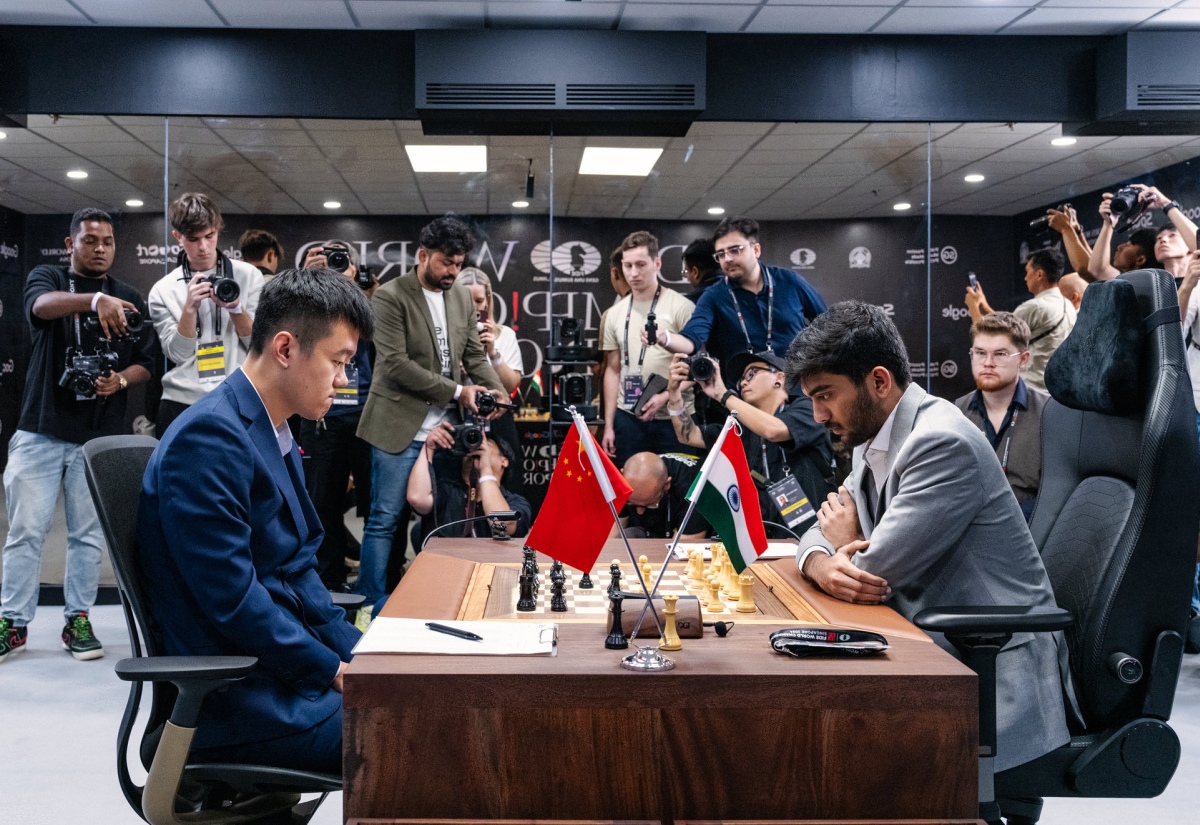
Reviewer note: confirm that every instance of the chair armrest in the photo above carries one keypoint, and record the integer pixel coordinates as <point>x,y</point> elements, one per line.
<point>970,620</point>
<point>348,601</point>
<point>184,668</point>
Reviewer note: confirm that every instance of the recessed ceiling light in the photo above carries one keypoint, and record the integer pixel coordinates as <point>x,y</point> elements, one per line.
<point>901,207</point>
<point>77,174</point>
<point>520,204</point>
<point>134,202</point>
<point>973,178</point>
<point>716,210</point>
<point>447,158</point>
<point>3,135</point>
<point>598,160</point>
<point>332,204</point>
<point>1063,141</point>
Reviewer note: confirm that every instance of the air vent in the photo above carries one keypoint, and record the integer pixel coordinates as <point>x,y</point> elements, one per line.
<point>658,96</point>
<point>489,94</point>
<point>1173,96</point>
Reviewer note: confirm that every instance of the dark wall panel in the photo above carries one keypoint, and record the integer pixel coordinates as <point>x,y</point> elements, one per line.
<point>14,332</point>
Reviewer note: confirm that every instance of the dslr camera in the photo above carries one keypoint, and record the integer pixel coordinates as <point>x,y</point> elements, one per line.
<point>701,367</point>
<point>81,371</point>
<point>1128,205</point>
<point>468,437</point>
<point>337,258</point>
<point>225,289</point>
<point>133,321</point>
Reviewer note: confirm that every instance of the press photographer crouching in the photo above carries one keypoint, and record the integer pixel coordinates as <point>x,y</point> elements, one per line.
<point>477,491</point>
<point>332,449</point>
<point>789,454</point>
<point>89,344</point>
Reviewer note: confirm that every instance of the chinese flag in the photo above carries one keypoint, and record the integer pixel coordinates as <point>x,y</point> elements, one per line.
<point>575,521</point>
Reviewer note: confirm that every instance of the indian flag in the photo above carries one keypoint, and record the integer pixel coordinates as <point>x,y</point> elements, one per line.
<point>725,494</point>
<point>535,383</point>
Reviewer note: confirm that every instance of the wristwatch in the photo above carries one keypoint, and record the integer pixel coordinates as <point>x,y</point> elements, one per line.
<point>1167,207</point>
<point>124,383</point>
<point>725,397</point>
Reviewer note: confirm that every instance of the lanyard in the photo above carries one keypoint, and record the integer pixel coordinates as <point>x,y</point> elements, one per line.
<point>770,310</point>
<point>216,310</point>
<point>1008,442</point>
<point>628,315</point>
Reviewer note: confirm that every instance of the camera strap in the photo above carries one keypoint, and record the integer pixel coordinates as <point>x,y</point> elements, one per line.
<point>770,309</point>
<point>628,315</point>
<point>225,268</point>
<point>1058,324</point>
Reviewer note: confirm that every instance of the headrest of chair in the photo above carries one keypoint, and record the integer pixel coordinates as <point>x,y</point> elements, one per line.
<point>1096,368</point>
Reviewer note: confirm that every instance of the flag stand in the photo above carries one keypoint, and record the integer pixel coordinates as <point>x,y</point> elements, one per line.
<point>646,658</point>
<point>730,423</point>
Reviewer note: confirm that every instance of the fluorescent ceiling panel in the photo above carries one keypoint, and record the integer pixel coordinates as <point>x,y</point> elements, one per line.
<point>447,158</point>
<point>600,160</point>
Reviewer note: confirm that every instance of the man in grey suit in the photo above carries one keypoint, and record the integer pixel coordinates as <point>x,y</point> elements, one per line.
<point>926,517</point>
<point>425,331</point>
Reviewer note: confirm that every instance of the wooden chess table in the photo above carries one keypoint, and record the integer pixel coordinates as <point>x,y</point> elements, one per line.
<point>733,732</point>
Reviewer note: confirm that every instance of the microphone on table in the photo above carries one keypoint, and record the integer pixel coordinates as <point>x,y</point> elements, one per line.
<point>495,519</point>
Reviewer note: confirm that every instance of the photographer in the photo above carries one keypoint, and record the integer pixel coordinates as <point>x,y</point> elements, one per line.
<point>656,506</point>
<point>700,267</point>
<point>499,342</point>
<point>789,454</point>
<point>202,309</point>
<point>332,450</point>
<point>1065,222</point>
<point>477,491</point>
<point>632,423</point>
<point>1140,252</point>
<point>85,353</point>
<point>1048,314</point>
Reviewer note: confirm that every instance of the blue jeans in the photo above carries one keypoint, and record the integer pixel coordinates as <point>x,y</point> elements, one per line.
<point>1196,578</point>
<point>38,466</point>
<point>389,492</point>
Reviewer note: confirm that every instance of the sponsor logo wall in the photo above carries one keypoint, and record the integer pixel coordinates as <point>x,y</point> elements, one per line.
<point>14,333</point>
<point>869,260</point>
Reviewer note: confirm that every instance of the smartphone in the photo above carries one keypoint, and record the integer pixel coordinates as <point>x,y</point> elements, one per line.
<point>483,320</point>
<point>974,280</point>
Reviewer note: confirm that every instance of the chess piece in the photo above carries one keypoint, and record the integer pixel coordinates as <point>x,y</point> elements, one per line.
<point>616,636</point>
<point>695,569</point>
<point>670,639</point>
<point>714,604</point>
<point>558,602</point>
<point>647,571</point>
<point>557,572</point>
<point>614,586</point>
<point>529,567</point>
<point>746,586</point>
<point>585,583</point>
<point>528,601</point>
<point>730,585</point>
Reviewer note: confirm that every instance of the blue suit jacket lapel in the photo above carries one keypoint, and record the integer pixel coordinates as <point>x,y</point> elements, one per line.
<point>262,435</point>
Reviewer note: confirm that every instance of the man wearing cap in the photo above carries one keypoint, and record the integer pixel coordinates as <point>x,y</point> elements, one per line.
<point>789,454</point>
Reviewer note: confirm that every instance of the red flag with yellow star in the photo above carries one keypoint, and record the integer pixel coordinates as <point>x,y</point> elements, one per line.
<point>575,520</point>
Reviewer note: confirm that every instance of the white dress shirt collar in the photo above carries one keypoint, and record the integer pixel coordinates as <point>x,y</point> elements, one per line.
<point>877,456</point>
<point>283,433</point>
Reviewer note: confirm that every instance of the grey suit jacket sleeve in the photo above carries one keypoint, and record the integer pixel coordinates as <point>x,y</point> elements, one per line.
<point>391,351</point>
<point>937,496</point>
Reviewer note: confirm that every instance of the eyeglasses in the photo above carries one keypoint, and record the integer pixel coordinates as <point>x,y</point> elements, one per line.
<point>1000,356</point>
<point>729,252</point>
<point>750,372</point>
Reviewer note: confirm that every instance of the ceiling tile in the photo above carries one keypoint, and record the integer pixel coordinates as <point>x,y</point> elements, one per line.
<point>1091,20</point>
<point>186,13</point>
<point>285,14</point>
<point>817,19</point>
<point>685,17</point>
<point>403,14</point>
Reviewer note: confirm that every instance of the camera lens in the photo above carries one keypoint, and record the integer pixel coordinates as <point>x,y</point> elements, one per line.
<point>226,290</point>
<point>472,437</point>
<point>1123,200</point>
<point>83,385</point>
<point>133,320</point>
<point>702,368</point>
<point>575,389</point>
<point>338,259</point>
<point>485,404</point>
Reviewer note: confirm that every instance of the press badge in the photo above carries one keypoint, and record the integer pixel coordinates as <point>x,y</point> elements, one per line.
<point>348,395</point>
<point>210,362</point>
<point>632,388</point>
<point>789,499</point>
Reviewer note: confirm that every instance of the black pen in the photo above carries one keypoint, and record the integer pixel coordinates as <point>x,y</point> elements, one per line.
<point>454,631</point>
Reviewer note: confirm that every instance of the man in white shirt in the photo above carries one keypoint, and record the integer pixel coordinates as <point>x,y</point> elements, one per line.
<point>630,364</point>
<point>202,309</point>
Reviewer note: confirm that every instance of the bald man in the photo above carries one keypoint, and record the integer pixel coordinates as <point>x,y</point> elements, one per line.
<point>1071,286</point>
<point>659,500</point>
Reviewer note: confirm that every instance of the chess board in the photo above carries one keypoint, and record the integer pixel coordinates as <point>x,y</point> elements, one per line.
<point>494,590</point>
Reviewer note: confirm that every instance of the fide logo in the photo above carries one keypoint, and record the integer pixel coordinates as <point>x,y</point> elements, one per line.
<point>575,259</point>
<point>949,255</point>
<point>803,258</point>
<point>949,369</point>
<point>860,258</point>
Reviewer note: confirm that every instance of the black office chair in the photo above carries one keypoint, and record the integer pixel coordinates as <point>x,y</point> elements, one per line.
<point>1116,523</point>
<point>176,792</point>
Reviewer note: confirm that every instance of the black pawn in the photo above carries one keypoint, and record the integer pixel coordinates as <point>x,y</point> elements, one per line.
<point>558,603</point>
<point>616,635</point>
<point>586,582</point>
<point>614,586</point>
<point>527,603</point>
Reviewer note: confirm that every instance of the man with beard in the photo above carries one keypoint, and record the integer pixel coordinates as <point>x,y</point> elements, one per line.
<point>926,517</point>
<point>1007,411</point>
<point>74,312</point>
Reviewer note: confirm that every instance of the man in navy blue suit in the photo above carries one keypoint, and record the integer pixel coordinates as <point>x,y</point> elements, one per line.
<point>228,535</point>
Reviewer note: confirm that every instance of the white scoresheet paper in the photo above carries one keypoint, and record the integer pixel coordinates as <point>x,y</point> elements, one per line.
<point>386,635</point>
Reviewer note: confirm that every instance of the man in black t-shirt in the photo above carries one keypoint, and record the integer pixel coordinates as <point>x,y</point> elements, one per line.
<point>781,439</point>
<point>658,503</point>
<point>84,356</point>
